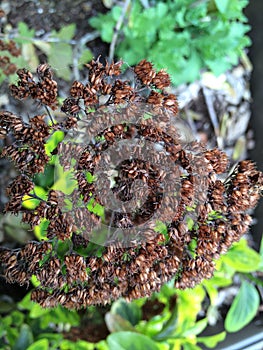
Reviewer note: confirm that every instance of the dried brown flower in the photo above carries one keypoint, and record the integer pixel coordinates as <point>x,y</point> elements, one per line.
<point>109,107</point>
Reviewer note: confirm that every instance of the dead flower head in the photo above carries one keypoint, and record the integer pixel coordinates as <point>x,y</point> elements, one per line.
<point>92,274</point>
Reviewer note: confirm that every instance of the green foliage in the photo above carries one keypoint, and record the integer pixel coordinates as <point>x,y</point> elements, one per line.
<point>183,36</point>
<point>243,309</point>
<point>242,258</point>
<point>56,52</point>
<point>177,326</point>
<point>29,326</point>
<point>60,54</point>
<point>130,341</point>
<point>58,49</point>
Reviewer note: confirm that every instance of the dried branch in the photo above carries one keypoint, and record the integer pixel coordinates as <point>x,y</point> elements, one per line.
<point>117,29</point>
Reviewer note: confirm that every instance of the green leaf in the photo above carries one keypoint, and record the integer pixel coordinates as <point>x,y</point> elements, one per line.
<point>116,12</point>
<point>261,255</point>
<point>17,318</point>
<point>242,258</point>
<point>66,32</point>
<point>65,181</point>
<point>243,308</point>
<point>222,5</point>
<point>43,46</point>
<point>211,290</point>
<point>41,344</point>
<point>52,337</point>
<point>29,54</point>
<point>12,335</point>
<point>169,327</point>
<point>130,341</point>
<point>190,71</point>
<point>197,328</point>
<point>60,57</point>
<point>37,311</point>
<point>116,323</point>
<point>25,34</point>
<point>212,340</point>
<point>24,339</point>
<point>25,303</point>
<point>79,345</point>
<point>53,141</point>
<point>107,31</point>
<point>190,346</point>
<point>128,311</point>
<point>85,57</point>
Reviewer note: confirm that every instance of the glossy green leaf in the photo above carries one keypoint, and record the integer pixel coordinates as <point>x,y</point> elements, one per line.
<point>128,311</point>
<point>12,334</point>
<point>242,258</point>
<point>107,31</point>
<point>212,340</point>
<point>169,327</point>
<point>197,328</point>
<point>24,339</point>
<point>243,309</point>
<point>130,341</point>
<point>41,344</point>
<point>52,337</point>
<point>116,323</point>
<point>79,345</point>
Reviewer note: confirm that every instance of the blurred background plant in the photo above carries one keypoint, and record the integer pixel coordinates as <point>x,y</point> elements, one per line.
<point>185,36</point>
<point>169,319</point>
<point>207,35</point>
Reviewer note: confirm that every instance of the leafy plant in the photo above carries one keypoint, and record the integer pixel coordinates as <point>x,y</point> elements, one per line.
<point>179,324</point>
<point>183,36</point>
<point>57,46</point>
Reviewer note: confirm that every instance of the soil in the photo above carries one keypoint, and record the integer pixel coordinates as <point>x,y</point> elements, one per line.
<point>44,16</point>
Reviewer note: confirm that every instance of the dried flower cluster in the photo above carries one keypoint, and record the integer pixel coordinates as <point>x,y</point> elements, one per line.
<point>109,106</point>
<point>6,64</point>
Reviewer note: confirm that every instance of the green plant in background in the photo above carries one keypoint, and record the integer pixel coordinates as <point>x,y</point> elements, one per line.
<point>179,321</point>
<point>58,48</point>
<point>184,36</point>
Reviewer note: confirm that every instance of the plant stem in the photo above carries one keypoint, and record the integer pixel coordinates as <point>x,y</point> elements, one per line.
<point>117,29</point>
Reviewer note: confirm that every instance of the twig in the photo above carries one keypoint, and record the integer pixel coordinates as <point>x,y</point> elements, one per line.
<point>82,41</point>
<point>117,29</point>
<point>78,50</point>
<point>49,114</point>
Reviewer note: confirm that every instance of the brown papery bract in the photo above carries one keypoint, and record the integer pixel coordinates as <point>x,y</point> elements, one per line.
<point>75,279</point>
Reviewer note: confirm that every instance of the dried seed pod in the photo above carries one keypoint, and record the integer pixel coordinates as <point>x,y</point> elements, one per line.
<point>199,219</point>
